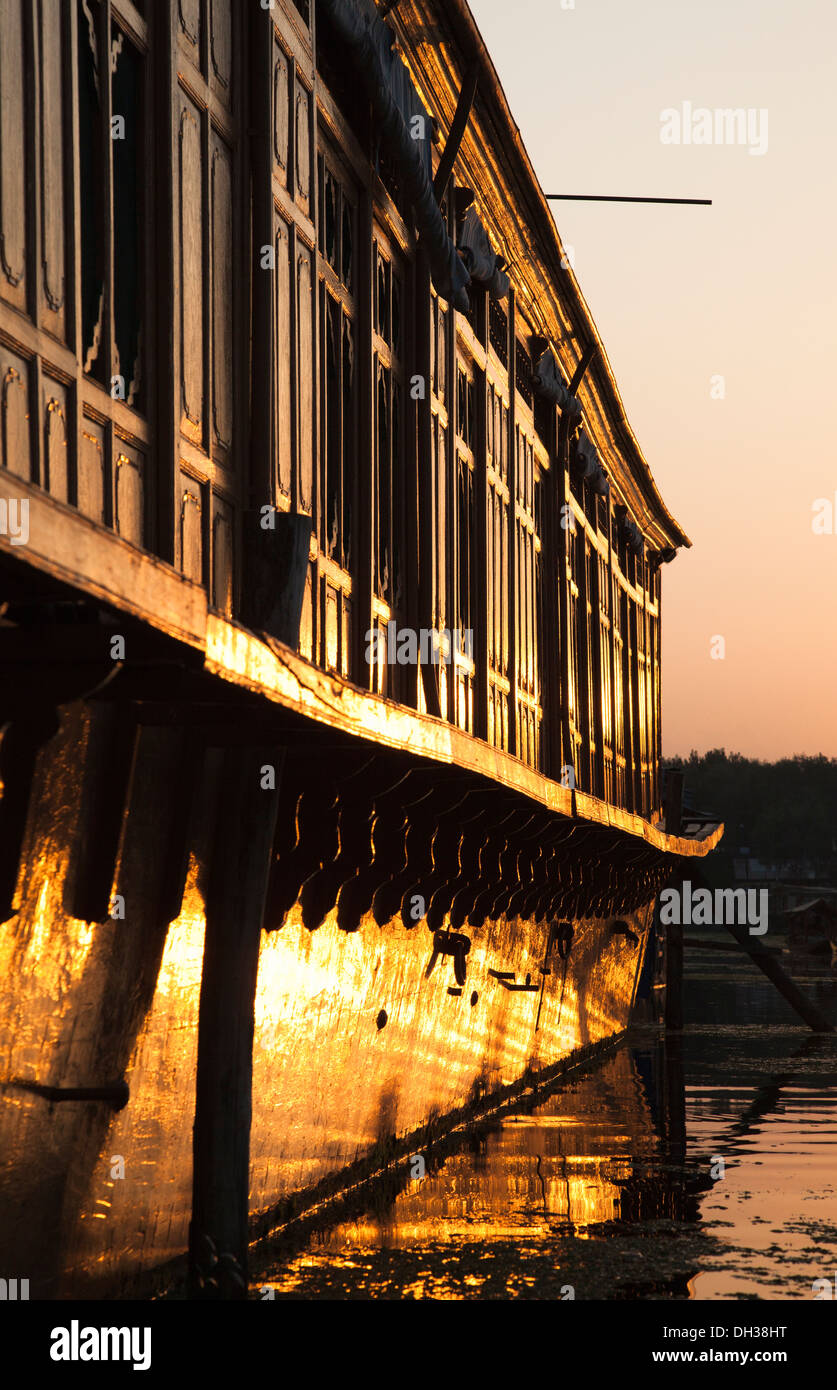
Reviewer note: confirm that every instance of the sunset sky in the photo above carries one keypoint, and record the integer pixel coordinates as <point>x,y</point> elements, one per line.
<point>746,290</point>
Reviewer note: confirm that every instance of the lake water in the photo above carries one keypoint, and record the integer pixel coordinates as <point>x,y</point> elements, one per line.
<point>705,1168</point>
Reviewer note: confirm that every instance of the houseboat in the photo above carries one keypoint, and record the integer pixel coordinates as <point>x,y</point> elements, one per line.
<point>330,575</point>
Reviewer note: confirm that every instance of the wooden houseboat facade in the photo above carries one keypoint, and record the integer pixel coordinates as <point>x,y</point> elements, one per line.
<point>330,576</point>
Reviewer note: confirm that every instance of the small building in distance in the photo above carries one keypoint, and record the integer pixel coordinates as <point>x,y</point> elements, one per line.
<point>812,932</point>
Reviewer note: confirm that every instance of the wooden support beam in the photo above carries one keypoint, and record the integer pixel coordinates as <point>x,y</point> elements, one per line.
<point>457,130</point>
<point>424,424</point>
<point>218,1236</point>
<point>20,742</point>
<point>563,491</point>
<point>769,966</point>
<point>107,788</point>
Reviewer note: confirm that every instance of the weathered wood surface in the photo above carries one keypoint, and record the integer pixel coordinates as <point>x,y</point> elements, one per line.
<point>174,475</point>
<point>288,679</point>
<point>69,547</point>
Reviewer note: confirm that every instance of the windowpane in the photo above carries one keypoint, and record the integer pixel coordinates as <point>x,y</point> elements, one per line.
<point>91,192</point>
<point>128,140</point>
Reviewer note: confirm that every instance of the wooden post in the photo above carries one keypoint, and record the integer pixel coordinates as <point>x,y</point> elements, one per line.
<point>674,800</point>
<point>674,930</point>
<point>673,963</point>
<point>237,887</point>
<point>479,591</point>
<point>561,746</point>
<point>675,1099</point>
<point>457,130</point>
<point>674,977</point>
<point>510,579</point>
<point>426,524</point>
<point>20,742</point>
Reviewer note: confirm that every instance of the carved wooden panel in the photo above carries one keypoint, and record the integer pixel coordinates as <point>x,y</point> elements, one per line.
<point>440,351</point>
<point>56,434</point>
<point>307,622</point>
<point>129,491</point>
<point>222,556</point>
<point>300,10</point>
<point>283,358</point>
<point>440,547</point>
<point>91,471</point>
<point>222,295</point>
<point>15,437</point>
<point>191,529</point>
<point>334,644</point>
<point>302,122</point>
<point>332,627</point>
<point>281,111</point>
<point>12,154</point>
<point>53,67</point>
<point>305,379</point>
<point>189,13</point>
<point>191,270</point>
<point>220,45</point>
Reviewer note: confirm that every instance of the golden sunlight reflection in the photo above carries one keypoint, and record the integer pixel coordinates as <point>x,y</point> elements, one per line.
<point>516,1188</point>
<point>402,1046</point>
<point>152,1195</point>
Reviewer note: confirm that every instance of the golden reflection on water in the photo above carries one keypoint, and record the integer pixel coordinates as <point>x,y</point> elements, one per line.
<point>86,1004</point>
<point>532,1179</point>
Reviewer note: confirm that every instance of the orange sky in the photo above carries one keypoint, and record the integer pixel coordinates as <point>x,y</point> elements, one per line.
<point>746,290</point>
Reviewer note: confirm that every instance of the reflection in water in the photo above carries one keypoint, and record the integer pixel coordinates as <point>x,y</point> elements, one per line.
<point>702,1171</point>
<point>766,1100</point>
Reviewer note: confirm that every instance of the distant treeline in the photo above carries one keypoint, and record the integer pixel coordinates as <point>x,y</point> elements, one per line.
<point>778,811</point>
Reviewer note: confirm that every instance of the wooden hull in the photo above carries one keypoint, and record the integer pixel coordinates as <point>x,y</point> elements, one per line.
<point>359,1053</point>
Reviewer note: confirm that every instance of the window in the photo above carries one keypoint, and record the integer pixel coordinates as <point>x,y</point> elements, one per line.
<point>335,500</point>
<point>497,561</point>
<point>466,543</point>
<point>339,425</point>
<point>112,272</point>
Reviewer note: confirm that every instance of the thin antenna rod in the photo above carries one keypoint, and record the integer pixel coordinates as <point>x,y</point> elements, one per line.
<point>605,198</point>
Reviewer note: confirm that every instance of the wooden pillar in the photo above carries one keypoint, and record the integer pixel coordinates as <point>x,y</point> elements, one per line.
<point>236,891</point>
<point>479,594</point>
<point>674,977</point>
<point>365,501</point>
<point>424,327</point>
<point>555,640</point>
<point>674,963</point>
<point>675,1099</point>
<point>584,719</point>
<point>674,800</point>
<point>612,600</point>
<point>510,579</point>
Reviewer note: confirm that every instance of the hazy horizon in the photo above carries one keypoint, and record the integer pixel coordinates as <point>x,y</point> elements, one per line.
<point>744,290</point>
